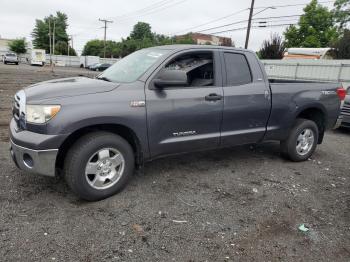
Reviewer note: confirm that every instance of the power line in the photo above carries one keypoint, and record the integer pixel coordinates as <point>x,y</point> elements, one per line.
<point>215,20</point>
<point>257,26</point>
<point>144,9</point>
<point>154,10</point>
<point>278,6</point>
<point>243,10</point>
<point>243,21</point>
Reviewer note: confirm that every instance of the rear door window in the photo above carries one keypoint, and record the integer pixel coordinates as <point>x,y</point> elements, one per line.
<point>237,69</point>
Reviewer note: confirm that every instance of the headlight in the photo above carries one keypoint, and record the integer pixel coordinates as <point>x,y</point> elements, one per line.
<point>40,114</point>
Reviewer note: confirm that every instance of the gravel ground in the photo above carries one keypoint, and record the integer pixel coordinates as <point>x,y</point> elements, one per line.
<point>239,204</point>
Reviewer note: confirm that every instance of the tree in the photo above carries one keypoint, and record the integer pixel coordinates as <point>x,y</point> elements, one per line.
<point>96,47</point>
<point>272,48</point>
<point>93,47</point>
<point>341,13</point>
<point>342,46</point>
<point>18,46</point>
<point>316,28</point>
<point>40,32</point>
<point>140,37</point>
<point>141,31</point>
<point>62,49</point>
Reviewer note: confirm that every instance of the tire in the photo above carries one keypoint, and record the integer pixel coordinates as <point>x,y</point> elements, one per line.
<point>302,140</point>
<point>88,150</point>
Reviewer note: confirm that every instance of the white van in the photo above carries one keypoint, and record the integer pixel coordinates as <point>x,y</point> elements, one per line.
<point>38,57</point>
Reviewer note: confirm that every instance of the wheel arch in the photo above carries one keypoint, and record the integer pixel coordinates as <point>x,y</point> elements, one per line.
<point>125,132</point>
<point>316,114</point>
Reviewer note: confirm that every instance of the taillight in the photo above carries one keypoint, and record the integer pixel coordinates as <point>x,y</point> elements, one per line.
<point>341,93</point>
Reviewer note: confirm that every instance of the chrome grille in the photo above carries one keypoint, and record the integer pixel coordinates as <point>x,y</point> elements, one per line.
<point>15,108</point>
<point>18,109</point>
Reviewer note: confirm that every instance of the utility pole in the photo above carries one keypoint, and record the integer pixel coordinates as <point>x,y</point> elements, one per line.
<point>50,41</point>
<point>53,37</point>
<point>105,27</point>
<point>69,39</point>
<point>249,24</point>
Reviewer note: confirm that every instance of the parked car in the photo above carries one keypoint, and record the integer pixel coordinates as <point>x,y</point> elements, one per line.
<point>161,101</point>
<point>86,61</point>
<point>91,67</point>
<point>101,67</point>
<point>346,110</point>
<point>10,58</point>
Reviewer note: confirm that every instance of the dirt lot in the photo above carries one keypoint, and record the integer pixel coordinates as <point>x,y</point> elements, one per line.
<point>240,204</point>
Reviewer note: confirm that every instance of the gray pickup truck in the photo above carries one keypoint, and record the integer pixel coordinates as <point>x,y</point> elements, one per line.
<point>162,101</point>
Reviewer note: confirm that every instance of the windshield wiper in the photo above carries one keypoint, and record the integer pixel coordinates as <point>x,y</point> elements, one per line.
<point>104,78</point>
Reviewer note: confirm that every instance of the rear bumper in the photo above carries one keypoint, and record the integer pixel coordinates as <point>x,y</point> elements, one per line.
<point>346,121</point>
<point>339,121</point>
<point>40,162</point>
<point>37,63</point>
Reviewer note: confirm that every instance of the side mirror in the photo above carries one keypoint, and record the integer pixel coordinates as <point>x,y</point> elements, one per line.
<point>168,77</point>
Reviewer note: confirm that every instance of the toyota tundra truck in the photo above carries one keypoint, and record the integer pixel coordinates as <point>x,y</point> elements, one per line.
<point>162,101</point>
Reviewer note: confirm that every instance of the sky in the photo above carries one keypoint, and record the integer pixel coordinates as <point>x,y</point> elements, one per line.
<point>169,17</point>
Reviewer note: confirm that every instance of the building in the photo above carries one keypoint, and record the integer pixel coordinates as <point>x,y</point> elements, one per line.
<point>204,39</point>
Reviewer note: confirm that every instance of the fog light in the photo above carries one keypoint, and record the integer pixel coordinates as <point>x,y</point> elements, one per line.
<point>28,160</point>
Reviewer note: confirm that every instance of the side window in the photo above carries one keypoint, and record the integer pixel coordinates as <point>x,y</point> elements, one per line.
<point>237,69</point>
<point>198,66</point>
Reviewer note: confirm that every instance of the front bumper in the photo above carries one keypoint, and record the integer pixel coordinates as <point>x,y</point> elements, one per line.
<point>10,61</point>
<point>339,122</point>
<point>41,162</point>
<point>346,121</point>
<point>34,152</point>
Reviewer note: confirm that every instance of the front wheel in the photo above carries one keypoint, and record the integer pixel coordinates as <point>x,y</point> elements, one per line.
<point>99,165</point>
<point>302,140</point>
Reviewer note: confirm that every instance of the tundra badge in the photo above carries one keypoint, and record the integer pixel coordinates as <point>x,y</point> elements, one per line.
<point>140,103</point>
<point>185,133</point>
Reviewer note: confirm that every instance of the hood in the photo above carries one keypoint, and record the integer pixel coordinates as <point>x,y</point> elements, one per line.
<point>67,87</point>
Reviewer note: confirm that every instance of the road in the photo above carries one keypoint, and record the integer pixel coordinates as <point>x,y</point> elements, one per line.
<point>236,204</point>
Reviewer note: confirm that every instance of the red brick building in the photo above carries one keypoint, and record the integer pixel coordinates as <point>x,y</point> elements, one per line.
<point>202,39</point>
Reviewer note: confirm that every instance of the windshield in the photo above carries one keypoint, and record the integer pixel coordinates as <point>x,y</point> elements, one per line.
<point>10,55</point>
<point>131,67</point>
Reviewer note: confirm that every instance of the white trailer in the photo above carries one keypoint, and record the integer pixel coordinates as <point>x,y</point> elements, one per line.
<point>89,60</point>
<point>38,57</point>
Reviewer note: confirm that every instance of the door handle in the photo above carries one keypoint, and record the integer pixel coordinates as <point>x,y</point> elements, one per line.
<point>213,97</point>
<point>267,95</point>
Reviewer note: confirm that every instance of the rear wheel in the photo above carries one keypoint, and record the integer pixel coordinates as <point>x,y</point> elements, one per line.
<point>99,165</point>
<point>302,140</point>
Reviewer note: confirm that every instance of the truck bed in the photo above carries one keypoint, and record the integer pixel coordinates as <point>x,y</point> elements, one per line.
<point>289,96</point>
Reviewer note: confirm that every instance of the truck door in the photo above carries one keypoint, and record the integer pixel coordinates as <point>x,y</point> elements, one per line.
<point>246,99</point>
<point>188,117</point>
